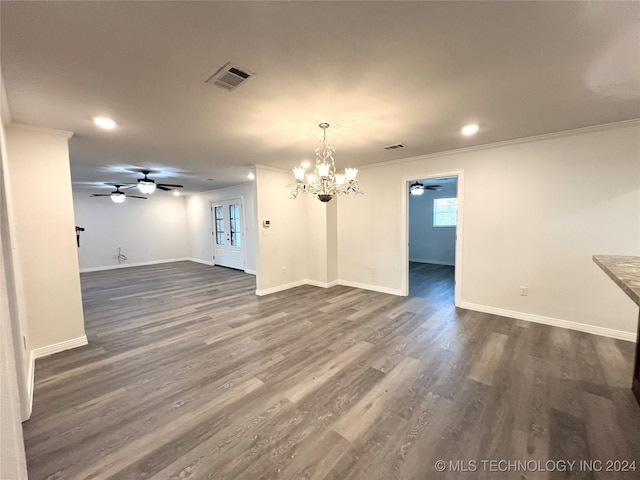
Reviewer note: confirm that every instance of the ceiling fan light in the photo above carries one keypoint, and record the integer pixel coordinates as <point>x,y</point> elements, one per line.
<point>118,197</point>
<point>146,186</point>
<point>416,189</point>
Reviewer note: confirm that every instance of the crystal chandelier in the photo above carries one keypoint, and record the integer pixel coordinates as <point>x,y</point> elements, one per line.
<point>323,181</point>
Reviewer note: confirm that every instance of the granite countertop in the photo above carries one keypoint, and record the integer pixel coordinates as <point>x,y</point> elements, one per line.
<point>625,271</point>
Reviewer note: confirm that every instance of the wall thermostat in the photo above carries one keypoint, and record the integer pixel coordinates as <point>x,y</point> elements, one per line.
<point>266,223</point>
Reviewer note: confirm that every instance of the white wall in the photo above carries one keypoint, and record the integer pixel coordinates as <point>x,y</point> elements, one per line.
<point>535,212</point>
<point>152,230</point>
<point>429,244</point>
<point>12,456</point>
<point>41,211</point>
<point>281,248</point>
<point>198,211</point>
<point>14,367</point>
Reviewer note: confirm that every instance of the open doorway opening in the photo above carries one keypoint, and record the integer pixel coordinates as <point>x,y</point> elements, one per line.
<point>433,249</point>
<point>433,206</point>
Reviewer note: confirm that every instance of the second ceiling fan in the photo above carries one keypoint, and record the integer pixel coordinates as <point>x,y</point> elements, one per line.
<point>148,186</point>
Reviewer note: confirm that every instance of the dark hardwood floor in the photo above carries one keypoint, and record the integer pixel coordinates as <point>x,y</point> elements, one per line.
<point>189,375</point>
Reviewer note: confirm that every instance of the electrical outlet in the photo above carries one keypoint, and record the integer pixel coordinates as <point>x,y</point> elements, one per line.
<point>284,270</point>
<point>524,291</point>
<point>372,270</point>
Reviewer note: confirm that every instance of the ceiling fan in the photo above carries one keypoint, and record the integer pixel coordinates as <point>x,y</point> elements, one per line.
<point>148,186</point>
<point>418,188</point>
<point>117,196</point>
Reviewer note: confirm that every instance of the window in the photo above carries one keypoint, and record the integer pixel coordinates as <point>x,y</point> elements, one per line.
<point>444,212</point>
<point>219,225</point>
<point>234,220</point>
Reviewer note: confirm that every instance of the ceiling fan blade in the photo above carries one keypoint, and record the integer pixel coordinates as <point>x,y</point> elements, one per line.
<point>100,194</point>
<point>433,187</point>
<point>135,196</point>
<point>171,185</point>
<point>162,187</point>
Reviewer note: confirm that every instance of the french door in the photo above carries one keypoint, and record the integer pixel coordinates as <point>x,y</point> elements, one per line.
<point>227,231</point>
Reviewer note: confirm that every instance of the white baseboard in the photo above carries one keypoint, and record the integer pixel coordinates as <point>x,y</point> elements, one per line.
<point>204,262</point>
<point>375,288</point>
<point>250,272</point>
<point>554,322</point>
<point>59,347</point>
<point>136,264</point>
<point>316,283</point>
<point>44,352</point>
<point>433,262</point>
<point>279,288</point>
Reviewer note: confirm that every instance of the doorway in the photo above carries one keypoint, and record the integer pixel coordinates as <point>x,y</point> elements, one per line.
<point>432,231</point>
<point>227,227</point>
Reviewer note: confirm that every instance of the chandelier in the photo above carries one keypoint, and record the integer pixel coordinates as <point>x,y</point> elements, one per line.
<point>323,182</point>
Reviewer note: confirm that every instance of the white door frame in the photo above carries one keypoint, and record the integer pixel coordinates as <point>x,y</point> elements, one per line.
<point>404,230</point>
<point>212,204</point>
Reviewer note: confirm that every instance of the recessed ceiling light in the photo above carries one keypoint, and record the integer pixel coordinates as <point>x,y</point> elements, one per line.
<point>306,164</point>
<point>176,193</point>
<point>251,176</point>
<point>469,129</point>
<point>104,122</point>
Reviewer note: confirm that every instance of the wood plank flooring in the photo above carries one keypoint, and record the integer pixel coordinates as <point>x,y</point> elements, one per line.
<point>189,375</point>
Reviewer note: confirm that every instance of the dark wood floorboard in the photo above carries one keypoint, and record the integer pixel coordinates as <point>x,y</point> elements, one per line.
<point>189,375</point>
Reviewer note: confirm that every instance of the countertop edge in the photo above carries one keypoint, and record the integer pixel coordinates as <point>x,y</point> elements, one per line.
<point>601,261</point>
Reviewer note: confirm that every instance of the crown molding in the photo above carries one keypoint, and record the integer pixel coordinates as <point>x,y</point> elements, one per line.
<point>42,130</point>
<point>505,143</point>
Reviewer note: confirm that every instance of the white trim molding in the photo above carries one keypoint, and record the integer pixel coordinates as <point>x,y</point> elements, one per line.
<point>316,283</point>
<point>279,288</point>
<point>554,322</point>
<point>30,384</point>
<point>45,352</point>
<point>250,272</point>
<point>136,264</point>
<point>375,288</point>
<point>59,347</point>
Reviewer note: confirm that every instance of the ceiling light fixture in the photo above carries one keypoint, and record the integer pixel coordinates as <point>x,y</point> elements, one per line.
<point>251,176</point>
<point>118,197</point>
<point>146,186</point>
<point>105,123</point>
<point>416,188</point>
<point>176,193</point>
<point>324,182</point>
<point>469,130</point>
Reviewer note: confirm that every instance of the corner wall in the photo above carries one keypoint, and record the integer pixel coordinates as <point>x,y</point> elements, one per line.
<point>41,218</point>
<point>281,249</point>
<point>14,359</point>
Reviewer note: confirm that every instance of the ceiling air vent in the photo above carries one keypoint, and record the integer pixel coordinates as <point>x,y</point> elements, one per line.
<point>393,147</point>
<point>230,76</point>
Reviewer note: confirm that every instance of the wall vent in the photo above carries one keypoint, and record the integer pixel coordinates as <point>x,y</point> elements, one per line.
<point>230,76</point>
<point>393,147</point>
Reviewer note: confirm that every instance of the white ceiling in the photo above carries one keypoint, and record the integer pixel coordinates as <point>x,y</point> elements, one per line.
<point>379,72</point>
